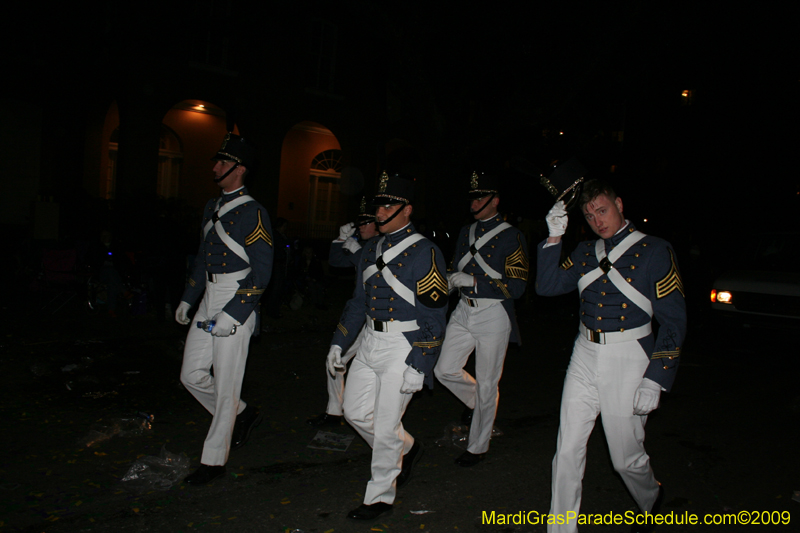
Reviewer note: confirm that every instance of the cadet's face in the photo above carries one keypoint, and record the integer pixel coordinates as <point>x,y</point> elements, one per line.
<point>220,168</point>
<point>385,211</point>
<point>367,231</point>
<point>604,216</point>
<point>476,207</point>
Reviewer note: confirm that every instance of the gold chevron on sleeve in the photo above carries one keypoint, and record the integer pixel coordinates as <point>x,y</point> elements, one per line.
<point>258,233</point>
<point>671,282</point>
<point>192,282</point>
<point>567,264</point>
<point>342,329</point>
<point>517,264</point>
<point>434,285</point>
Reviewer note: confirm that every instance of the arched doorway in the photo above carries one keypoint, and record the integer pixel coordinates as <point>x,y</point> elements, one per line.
<point>309,194</point>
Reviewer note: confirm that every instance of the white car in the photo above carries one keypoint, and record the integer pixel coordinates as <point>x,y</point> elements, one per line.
<point>764,290</point>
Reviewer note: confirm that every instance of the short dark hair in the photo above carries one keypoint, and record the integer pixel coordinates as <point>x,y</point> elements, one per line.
<point>594,188</point>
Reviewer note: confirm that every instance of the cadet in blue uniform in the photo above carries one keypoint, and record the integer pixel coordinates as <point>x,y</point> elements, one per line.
<point>618,367</point>
<point>231,272</point>
<point>490,270</point>
<point>401,293</point>
<point>345,252</point>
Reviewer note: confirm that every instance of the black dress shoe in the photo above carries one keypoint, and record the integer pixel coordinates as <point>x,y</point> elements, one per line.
<point>466,416</point>
<point>468,459</point>
<point>650,525</point>
<point>325,420</point>
<point>370,512</point>
<point>409,460</point>
<point>205,474</point>
<point>245,422</point>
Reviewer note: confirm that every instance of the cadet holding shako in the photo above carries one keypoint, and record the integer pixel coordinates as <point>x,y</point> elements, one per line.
<point>618,367</point>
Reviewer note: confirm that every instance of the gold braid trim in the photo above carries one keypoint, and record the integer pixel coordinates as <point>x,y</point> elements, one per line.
<point>672,281</point>
<point>428,344</point>
<point>670,353</point>
<point>342,329</point>
<point>567,264</point>
<point>192,282</point>
<point>502,287</point>
<point>250,291</point>
<point>517,264</point>
<point>258,233</point>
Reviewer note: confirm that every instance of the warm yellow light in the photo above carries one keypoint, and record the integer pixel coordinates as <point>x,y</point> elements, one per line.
<point>561,133</point>
<point>685,94</point>
<point>723,297</point>
<point>645,220</point>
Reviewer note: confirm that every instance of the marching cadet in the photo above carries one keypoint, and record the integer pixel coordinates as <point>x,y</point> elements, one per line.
<point>231,271</point>
<point>401,293</point>
<point>618,367</point>
<point>490,270</point>
<point>345,252</point>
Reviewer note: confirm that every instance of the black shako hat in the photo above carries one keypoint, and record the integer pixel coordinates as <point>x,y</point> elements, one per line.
<point>482,184</point>
<point>393,190</point>
<point>564,180</point>
<point>363,216</point>
<point>236,148</point>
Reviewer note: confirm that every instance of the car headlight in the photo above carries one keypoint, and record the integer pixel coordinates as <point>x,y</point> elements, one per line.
<point>722,297</point>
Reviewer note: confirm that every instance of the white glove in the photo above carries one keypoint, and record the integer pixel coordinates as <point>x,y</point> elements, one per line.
<point>351,245</point>
<point>412,381</point>
<point>557,219</point>
<point>182,313</point>
<point>646,398</point>
<point>346,231</point>
<point>456,280</point>
<point>224,326</point>
<point>335,360</point>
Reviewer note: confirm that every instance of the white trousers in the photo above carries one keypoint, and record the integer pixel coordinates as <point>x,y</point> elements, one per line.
<point>336,384</point>
<point>219,393</point>
<point>374,406</point>
<point>485,330</point>
<point>601,379</point>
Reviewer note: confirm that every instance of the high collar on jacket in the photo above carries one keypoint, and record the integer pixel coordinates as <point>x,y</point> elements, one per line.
<point>400,234</point>
<point>621,234</point>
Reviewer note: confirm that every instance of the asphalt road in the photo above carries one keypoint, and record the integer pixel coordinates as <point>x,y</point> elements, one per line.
<point>724,441</point>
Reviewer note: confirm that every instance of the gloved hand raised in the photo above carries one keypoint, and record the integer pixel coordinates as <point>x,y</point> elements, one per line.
<point>346,231</point>
<point>182,313</point>
<point>557,219</point>
<point>646,398</point>
<point>225,324</point>
<point>334,360</point>
<point>412,381</point>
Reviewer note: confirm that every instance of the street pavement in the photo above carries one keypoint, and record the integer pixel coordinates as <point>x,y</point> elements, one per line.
<point>724,441</point>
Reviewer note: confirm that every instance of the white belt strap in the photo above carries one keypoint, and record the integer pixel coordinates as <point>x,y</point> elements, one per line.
<point>479,302</point>
<point>234,246</point>
<point>404,292</point>
<point>392,326</point>
<point>233,276</point>
<point>613,337</point>
<point>476,244</point>
<point>606,266</point>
